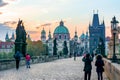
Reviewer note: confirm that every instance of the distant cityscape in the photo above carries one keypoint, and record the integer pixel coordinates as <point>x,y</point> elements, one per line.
<point>85,43</point>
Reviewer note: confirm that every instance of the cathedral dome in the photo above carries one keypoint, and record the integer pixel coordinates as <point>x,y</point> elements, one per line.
<point>82,36</point>
<point>61,29</point>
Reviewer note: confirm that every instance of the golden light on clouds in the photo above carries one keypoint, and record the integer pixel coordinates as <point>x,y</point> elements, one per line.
<point>37,14</point>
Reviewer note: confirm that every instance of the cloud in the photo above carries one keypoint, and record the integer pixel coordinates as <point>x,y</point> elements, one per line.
<point>0,12</point>
<point>3,30</point>
<point>46,24</point>
<point>43,25</point>
<point>10,24</point>
<point>32,32</point>
<point>5,2</point>
<point>2,3</point>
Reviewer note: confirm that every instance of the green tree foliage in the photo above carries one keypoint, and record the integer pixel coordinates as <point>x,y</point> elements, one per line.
<point>55,47</point>
<point>35,48</point>
<point>6,55</point>
<point>9,55</point>
<point>65,48</point>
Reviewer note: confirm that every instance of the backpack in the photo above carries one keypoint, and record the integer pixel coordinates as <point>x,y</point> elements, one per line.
<point>17,56</point>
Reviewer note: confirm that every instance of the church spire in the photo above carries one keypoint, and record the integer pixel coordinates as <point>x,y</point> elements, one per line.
<point>7,37</point>
<point>29,37</point>
<point>49,36</point>
<point>75,30</point>
<point>43,36</point>
<point>13,37</point>
<point>61,23</point>
<point>95,21</point>
<point>75,37</point>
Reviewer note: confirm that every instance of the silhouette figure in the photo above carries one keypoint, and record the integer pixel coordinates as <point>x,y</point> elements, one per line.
<point>87,59</point>
<point>75,56</point>
<point>17,57</point>
<point>99,67</point>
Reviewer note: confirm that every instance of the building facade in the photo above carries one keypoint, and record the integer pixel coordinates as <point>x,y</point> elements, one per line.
<point>61,33</point>
<point>96,31</point>
<point>6,47</point>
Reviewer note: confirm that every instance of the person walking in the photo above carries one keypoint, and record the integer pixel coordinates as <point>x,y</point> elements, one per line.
<point>27,60</point>
<point>87,59</point>
<point>75,56</point>
<point>99,67</point>
<point>17,57</point>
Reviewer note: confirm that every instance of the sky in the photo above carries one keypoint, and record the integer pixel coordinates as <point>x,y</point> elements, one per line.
<point>39,14</point>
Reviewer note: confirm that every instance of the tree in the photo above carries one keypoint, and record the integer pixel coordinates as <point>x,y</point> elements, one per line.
<point>36,48</point>
<point>55,47</point>
<point>65,48</point>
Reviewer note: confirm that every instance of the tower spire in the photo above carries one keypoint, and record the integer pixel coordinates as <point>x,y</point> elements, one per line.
<point>93,11</point>
<point>61,23</point>
<point>49,36</point>
<point>7,37</point>
<point>75,37</point>
<point>75,29</point>
<point>95,21</point>
<point>97,11</point>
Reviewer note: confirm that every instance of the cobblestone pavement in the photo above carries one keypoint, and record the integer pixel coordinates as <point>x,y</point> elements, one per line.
<point>63,69</point>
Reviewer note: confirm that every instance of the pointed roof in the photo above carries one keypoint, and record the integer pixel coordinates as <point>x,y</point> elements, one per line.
<point>95,21</point>
<point>103,23</point>
<point>82,36</point>
<point>87,35</point>
<point>43,31</point>
<point>13,37</point>
<point>61,23</point>
<point>7,36</point>
<point>49,36</point>
<point>29,37</point>
<point>76,33</point>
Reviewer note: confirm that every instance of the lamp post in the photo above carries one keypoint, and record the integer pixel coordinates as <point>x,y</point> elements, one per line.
<point>114,26</point>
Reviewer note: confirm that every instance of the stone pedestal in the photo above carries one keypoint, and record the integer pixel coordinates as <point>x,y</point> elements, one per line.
<point>117,50</point>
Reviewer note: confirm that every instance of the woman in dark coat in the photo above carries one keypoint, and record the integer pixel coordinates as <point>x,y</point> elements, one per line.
<point>99,67</point>
<point>87,59</point>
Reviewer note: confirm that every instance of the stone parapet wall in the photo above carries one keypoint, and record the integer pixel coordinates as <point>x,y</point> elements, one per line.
<point>112,70</point>
<point>7,64</point>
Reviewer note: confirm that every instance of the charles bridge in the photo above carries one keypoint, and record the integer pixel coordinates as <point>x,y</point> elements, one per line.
<point>52,68</point>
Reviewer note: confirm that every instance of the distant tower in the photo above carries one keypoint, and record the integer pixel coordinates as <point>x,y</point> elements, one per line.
<point>28,37</point>
<point>61,32</point>
<point>49,36</point>
<point>13,37</point>
<point>75,36</point>
<point>96,31</point>
<point>7,37</point>
<point>87,42</point>
<point>43,36</point>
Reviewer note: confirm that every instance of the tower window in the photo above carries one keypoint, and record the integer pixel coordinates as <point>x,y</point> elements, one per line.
<point>65,37</point>
<point>59,36</point>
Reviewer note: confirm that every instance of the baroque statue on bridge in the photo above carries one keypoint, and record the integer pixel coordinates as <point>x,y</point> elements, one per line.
<point>20,42</point>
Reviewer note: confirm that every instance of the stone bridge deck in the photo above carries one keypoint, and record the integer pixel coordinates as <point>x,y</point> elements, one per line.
<point>63,69</point>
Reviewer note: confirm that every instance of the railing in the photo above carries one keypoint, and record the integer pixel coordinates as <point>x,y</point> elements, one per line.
<point>10,63</point>
<point>112,70</point>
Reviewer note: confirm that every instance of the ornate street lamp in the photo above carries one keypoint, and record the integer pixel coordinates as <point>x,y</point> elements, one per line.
<point>114,26</point>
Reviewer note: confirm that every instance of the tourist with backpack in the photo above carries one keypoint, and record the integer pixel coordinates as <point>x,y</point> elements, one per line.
<point>17,57</point>
<point>99,67</point>
<point>87,59</point>
<point>27,60</point>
